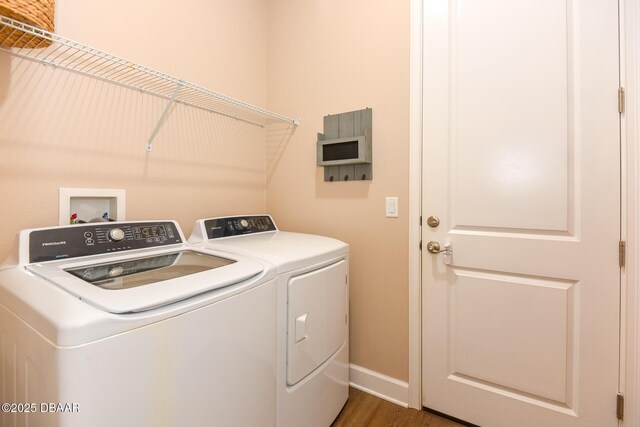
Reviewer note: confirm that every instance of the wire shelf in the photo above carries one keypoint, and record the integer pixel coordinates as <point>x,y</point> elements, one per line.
<point>54,50</point>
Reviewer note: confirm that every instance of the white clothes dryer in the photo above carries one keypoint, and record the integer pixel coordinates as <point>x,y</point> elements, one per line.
<point>124,324</point>
<point>313,321</point>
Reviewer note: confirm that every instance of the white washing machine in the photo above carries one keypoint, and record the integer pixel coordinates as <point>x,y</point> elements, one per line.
<point>313,322</point>
<point>124,324</point>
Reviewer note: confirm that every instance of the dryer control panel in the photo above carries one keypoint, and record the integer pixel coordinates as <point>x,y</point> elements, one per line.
<point>99,238</point>
<point>238,226</point>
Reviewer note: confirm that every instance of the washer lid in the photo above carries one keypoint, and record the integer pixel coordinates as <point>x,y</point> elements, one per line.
<point>141,283</point>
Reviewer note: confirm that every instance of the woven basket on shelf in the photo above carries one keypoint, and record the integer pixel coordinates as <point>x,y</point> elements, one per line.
<point>38,13</point>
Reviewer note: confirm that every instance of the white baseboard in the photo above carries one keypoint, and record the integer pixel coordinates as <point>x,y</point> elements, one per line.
<point>379,385</point>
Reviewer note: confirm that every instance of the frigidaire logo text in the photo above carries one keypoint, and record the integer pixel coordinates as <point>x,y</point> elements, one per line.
<point>63,242</point>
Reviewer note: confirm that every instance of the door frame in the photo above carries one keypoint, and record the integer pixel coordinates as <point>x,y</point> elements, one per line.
<point>629,16</point>
<point>415,205</point>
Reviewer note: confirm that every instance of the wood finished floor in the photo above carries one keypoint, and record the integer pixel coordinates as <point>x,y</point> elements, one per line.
<point>365,410</point>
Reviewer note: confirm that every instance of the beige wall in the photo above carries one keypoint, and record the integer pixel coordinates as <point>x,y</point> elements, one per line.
<point>327,57</point>
<point>58,129</point>
<point>300,58</point>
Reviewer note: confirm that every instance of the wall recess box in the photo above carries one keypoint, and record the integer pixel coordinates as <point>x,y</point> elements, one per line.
<point>90,204</point>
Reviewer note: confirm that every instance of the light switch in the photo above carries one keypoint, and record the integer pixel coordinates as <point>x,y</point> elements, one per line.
<point>392,207</point>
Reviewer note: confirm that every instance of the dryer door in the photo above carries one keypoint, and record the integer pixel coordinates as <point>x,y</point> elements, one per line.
<point>317,318</point>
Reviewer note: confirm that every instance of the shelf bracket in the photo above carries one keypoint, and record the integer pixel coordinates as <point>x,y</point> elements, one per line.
<point>164,115</point>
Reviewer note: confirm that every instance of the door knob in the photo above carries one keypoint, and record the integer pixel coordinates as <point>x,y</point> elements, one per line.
<point>434,247</point>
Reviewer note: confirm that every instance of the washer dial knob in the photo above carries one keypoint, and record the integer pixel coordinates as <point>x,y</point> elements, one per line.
<point>116,234</point>
<point>244,223</point>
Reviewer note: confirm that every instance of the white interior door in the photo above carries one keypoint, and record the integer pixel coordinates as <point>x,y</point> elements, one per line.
<point>522,168</point>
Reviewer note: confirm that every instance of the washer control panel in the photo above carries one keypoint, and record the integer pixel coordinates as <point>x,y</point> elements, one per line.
<point>99,238</point>
<point>238,226</point>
